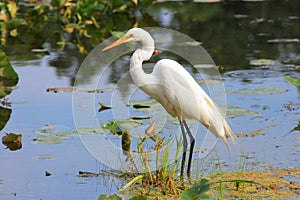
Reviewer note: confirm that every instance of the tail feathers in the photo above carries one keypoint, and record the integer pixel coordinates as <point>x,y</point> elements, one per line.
<point>228,134</point>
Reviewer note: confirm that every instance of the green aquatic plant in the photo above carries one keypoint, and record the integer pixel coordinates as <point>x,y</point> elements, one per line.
<point>82,23</point>
<point>197,191</point>
<point>294,81</point>
<point>8,77</point>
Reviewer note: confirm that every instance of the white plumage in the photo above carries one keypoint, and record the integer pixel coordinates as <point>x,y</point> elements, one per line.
<point>176,90</point>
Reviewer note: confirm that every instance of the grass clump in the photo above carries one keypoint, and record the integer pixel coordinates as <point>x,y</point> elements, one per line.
<point>165,183</point>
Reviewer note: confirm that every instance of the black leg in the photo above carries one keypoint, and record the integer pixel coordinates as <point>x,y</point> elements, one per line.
<point>192,141</point>
<point>184,149</point>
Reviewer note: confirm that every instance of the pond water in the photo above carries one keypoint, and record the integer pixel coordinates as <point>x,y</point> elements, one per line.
<point>262,108</point>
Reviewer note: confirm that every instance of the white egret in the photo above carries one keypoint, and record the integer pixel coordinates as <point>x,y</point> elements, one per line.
<point>176,90</point>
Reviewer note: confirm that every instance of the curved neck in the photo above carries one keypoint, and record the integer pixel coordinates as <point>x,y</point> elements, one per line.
<point>137,73</point>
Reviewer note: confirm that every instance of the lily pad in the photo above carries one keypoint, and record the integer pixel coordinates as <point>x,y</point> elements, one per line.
<point>118,126</point>
<point>46,157</point>
<point>210,82</point>
<point>114,127</point>
<point>142,103</point>
<point>12,141</point>
<point>259,62</point>
<point>258,91</point>
<point>53,138</point>
<point>234,111</point>
<point>52,134</point>
<point>12,137</point>
<point>87,131</point>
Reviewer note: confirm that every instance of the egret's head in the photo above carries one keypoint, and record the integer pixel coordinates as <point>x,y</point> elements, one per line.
<point>134,34</point>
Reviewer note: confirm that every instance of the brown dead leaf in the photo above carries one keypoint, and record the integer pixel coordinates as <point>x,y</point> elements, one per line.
<point>103,107</point>
<point>254,133</point>
<point>55,90</point>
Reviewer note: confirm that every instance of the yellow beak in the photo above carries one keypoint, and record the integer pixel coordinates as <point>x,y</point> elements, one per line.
<point>118,42</point>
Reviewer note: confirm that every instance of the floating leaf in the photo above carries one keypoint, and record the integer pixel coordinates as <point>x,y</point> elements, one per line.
<point>210,82</point>
<point>52,134</point>
<point>295,82</point>
<point>12,141</point>
<point>47,173</point>
<point>12,137</point>
<point>142,103</point>
<point>86,131</point>
<point>297,128</point>
<point>197,191</point>
<point>234,111</point>
<point>55,90</point>
<point>254,133</point>
<point>258,91</point>
<point>46,157</point>
<point>103,107</point>
<point>138,106</point>
<point>262,62</point>
<point>87,174</point>
<point>139,117</point>
<point>118,126</point>
<point>53,138</point>
<point>294,40</point>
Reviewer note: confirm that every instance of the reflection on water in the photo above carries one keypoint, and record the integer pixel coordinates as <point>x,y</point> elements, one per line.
<point>235,32</point>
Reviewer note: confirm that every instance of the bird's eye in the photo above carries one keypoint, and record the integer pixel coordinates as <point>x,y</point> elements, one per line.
<point>156,51</point>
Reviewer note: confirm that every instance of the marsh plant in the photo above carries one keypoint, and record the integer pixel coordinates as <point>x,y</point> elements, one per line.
<point>164,179</point>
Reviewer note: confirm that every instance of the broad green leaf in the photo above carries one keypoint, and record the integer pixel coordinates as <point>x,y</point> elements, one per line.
<point>6,70</point>
<point>197,191</point>
<point>113,127</point>
<point>295,82</point>
<point>118,126</point>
